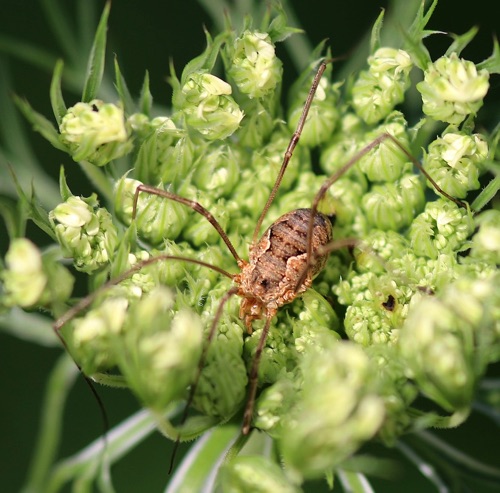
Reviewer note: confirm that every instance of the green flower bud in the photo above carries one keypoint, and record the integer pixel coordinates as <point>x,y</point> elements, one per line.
<point>393,206</point>
<point>222,386</point>
<point>378,90</point>
<point>255,68</point>
<point>323,114</point>
<point>95,132</point>
<point>454,162</point>
<point>337,410</point>
<point>273,404</point>
<point>31,279</point>
<point>156,217</point>
<point>387,161</point>
<point>219,170</point>
<point>486,242</point>
<point>200,232</point>
<point>377,245</point>
<point>379,305</point>
<point>443,227</point>
<point>159,349</point>
<point>315,322</point>
<point>85,232</point>
<point>278,352</point>
<point>267,160</point>
<point>24,280</point>
<point>452,89</point>
<point>160,149</point>
<point>208,108</point>
<point>91,337</point>
<point>254,473</point>
<point>435,343</point>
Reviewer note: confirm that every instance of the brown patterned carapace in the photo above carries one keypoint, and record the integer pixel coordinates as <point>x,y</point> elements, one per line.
<point>269,279</point>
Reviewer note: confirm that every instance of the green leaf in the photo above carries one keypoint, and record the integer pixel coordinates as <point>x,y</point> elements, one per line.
<point>375,37</point>
<point>14,219</point>
<point>40,123</point>
<point>145,99</point>
<point>461,41</point>
<point>95,67</point>
<point>278,29</point>
<point>417,33</point>
<point>56,97</point>
<point>63,186</point>
<point>34,210</point>
<point>123,92</point>
<point>492,64</point>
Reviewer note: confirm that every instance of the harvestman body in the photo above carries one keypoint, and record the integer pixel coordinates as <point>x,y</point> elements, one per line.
<point>281,265</point>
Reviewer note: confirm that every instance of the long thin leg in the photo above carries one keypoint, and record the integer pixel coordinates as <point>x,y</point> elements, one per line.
<point>253,379</point>
<point>341,171</point>
<point>291,146</point>
<point>201,362</point>
<point>196,206</point>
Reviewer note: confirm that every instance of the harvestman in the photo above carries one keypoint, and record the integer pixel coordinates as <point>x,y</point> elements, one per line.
<point>281,265</point>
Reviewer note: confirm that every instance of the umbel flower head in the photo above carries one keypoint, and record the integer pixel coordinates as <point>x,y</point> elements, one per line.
<point>380,88</point>
<point>31,279</point>
<point>255,68</point>
<point>95,132</point>
<point>208,107</point>
<point>85,232</point>
<point>452,89</point>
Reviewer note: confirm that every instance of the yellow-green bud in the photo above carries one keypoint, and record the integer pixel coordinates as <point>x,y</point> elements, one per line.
<point>31,279</point>
<point>454,162</point>
<point>255,68</point>
<point>208,107</point>
<point>442,227</point>
<point>95,132</point>
<point>486,242</point>
<point>85,232</point>
<point>378,90</point>
<point>337,411</point>
<point>156,218</point>
<point>452,89</point>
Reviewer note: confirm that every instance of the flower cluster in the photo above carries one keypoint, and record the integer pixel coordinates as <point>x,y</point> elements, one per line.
<point>414,296</point>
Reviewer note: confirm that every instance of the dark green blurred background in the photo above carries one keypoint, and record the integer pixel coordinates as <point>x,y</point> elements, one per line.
<point>146,35</point>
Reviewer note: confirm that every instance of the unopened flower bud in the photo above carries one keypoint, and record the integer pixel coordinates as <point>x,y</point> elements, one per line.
<point>452,89</point>
<point>85,232</point>
<point>255,68</point>
<point>95,132</point>
<point>208,107</point>
<point>454,162</point>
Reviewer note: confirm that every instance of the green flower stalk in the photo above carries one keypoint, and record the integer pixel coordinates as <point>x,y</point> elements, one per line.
<point>85,232</point>
<point>32,279</point>
<point>208,107</point>
<point>95,132</point>
<point>379,89</point>
<point>455,161</point>
<point>452,89</point>
<point>255,69</point>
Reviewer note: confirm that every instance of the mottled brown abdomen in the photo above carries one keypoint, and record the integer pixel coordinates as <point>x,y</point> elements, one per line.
<point>276,263</point>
